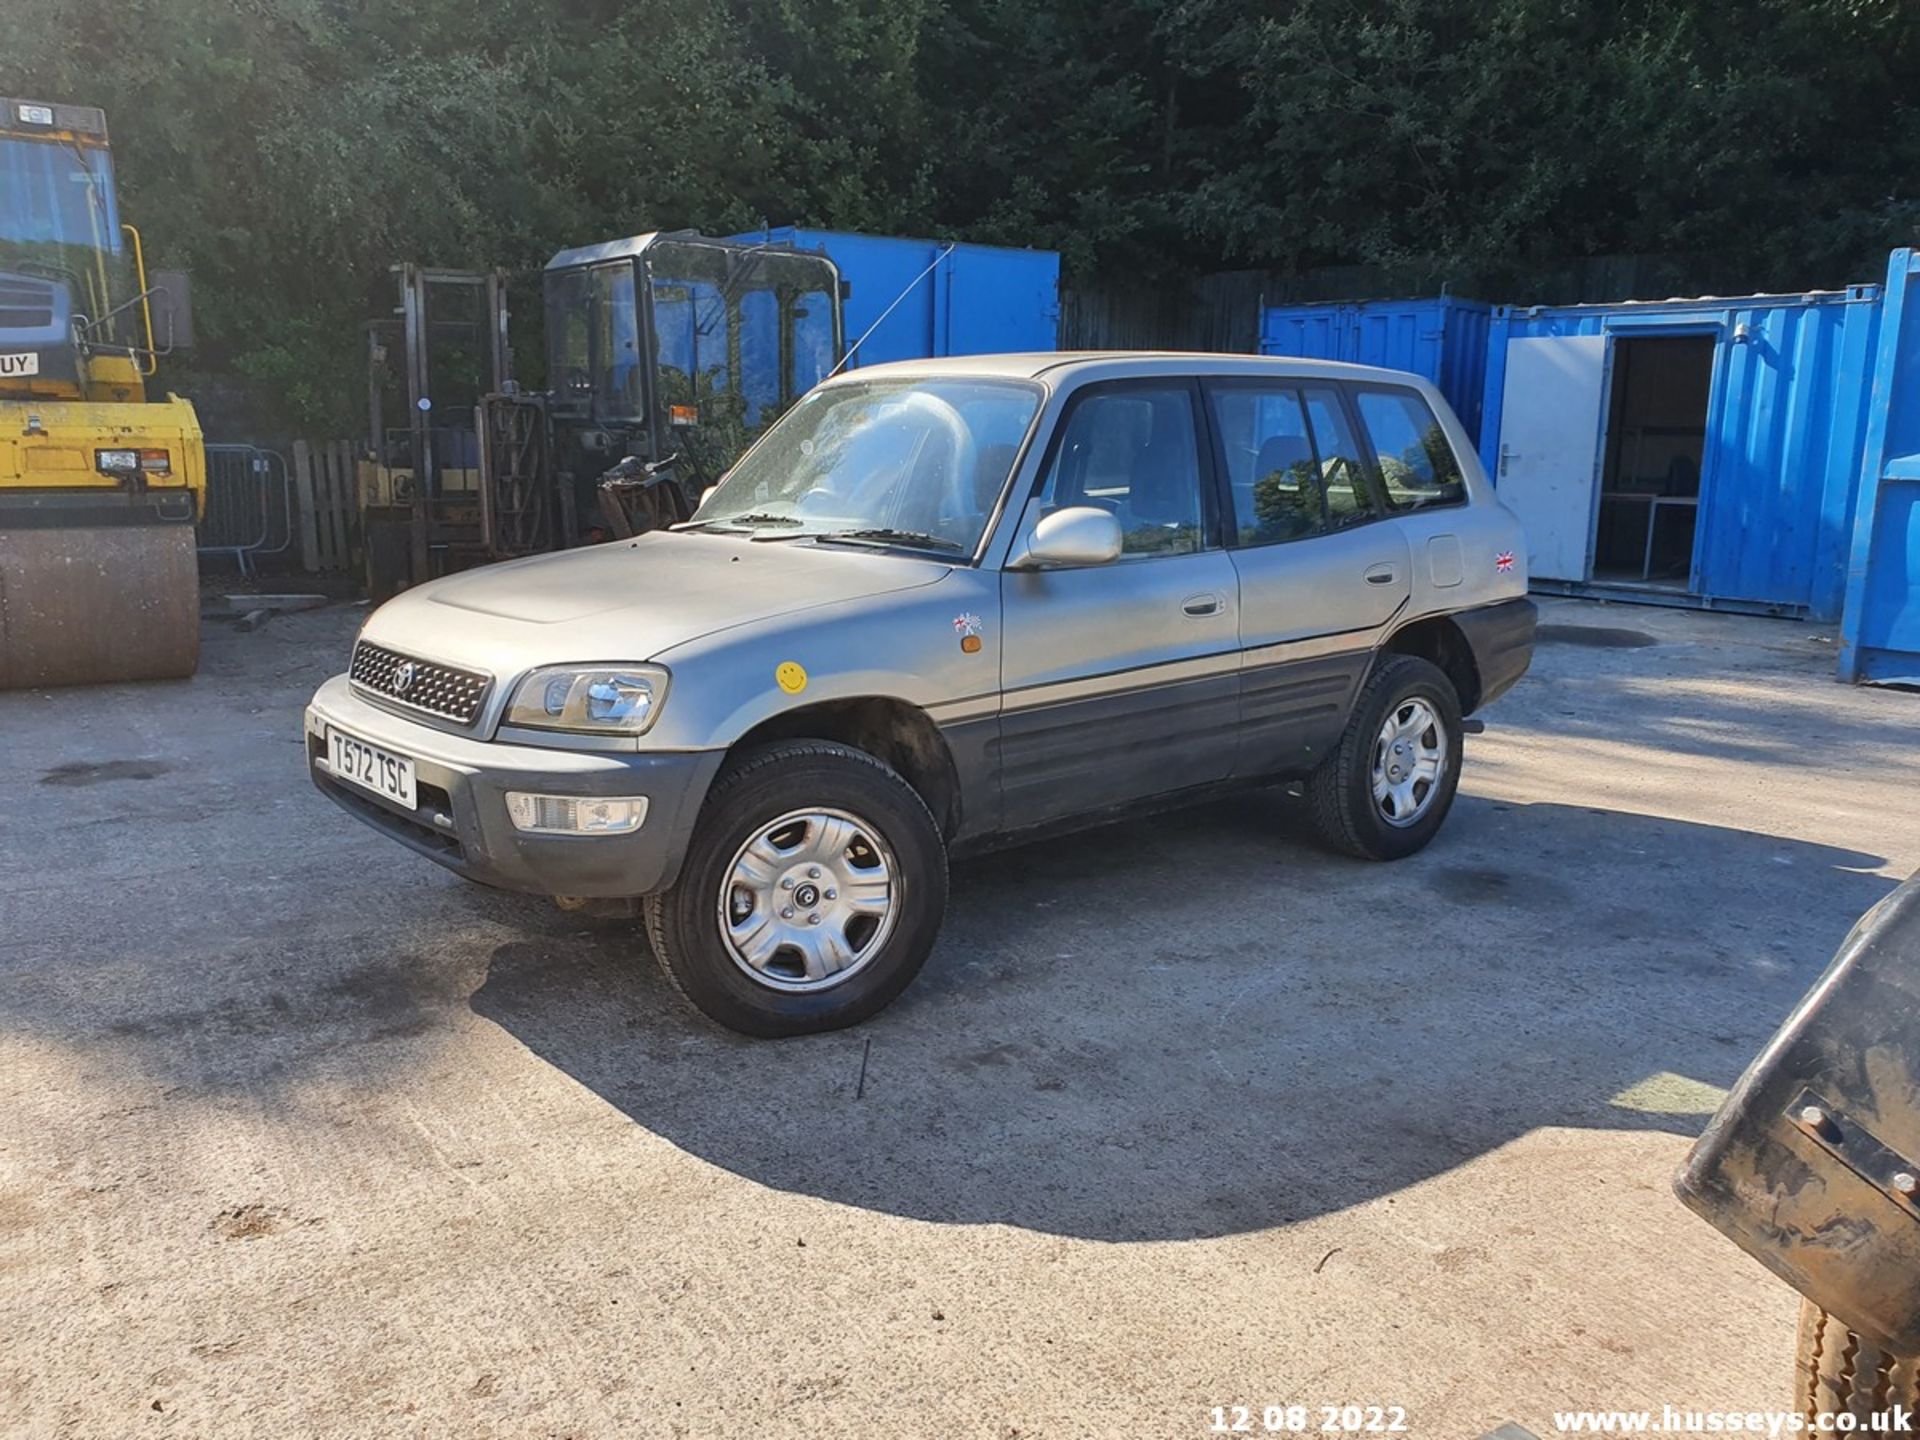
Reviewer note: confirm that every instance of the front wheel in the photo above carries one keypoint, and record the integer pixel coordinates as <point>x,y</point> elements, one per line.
<point>1385,790</point>
<point>812,891</point>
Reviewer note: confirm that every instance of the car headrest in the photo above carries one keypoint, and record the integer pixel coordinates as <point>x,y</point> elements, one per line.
<point>1281,452</point>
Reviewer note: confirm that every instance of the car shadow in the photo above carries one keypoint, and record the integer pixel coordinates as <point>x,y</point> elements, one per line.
<point>1200,1023</point>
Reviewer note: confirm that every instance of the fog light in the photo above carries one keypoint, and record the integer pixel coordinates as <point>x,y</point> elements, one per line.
<point>575,814</point>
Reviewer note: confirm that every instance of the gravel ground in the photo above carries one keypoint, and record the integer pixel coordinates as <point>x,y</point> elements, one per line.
<point>300,1135</point>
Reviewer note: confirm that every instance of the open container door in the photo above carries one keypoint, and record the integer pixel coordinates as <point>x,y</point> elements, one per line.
<point>1550,448</point>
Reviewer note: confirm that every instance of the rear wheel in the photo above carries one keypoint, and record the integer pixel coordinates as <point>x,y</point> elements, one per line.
<point>812,892</point>
<point>1385,790</point>
<point>1838,1372</point>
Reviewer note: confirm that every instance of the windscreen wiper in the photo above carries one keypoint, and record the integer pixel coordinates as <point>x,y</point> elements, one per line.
<point>740,522</point>
<point>881,535</point>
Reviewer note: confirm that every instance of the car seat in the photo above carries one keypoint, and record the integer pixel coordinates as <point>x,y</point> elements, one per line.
<point>1161,493</point>
<point>1286,500</point>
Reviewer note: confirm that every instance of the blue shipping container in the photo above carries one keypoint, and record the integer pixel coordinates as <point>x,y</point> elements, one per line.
<point>1440,338</point>
<point>1754,491</point>
<point>923,298</point>
<point>1880,630</point>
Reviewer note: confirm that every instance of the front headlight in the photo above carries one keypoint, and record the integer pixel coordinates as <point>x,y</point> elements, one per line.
<point>589,700</point>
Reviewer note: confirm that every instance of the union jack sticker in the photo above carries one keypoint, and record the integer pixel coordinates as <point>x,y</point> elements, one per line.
<point>965,625</point>
<point>1503,562</point>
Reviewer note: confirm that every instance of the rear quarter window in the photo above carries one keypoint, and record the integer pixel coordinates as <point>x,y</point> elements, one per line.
<point>1417,466</point>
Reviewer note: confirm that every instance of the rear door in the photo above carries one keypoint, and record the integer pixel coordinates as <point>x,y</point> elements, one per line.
<point>1420,479</point>
<point>1549,468</point>
<point>1320,575</point>
<point>1121,680</point>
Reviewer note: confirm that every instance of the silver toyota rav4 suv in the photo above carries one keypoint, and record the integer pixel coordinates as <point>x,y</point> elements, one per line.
<point>942,605</point>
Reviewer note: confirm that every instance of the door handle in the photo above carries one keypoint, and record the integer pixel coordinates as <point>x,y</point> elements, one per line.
<point>1380,575</point>
<point>1197,605</point>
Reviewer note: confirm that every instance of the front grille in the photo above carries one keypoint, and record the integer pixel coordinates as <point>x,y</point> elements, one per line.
<point>432,689</point>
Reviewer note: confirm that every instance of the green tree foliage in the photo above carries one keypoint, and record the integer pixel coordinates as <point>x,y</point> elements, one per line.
<point>288,151</point>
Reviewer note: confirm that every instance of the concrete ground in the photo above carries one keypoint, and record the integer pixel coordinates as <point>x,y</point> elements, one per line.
<point>299,1135</point>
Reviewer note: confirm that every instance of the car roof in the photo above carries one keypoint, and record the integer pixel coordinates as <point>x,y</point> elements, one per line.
<point>1074,366</point>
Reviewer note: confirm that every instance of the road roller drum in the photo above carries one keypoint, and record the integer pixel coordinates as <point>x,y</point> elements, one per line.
<point>85,605</point>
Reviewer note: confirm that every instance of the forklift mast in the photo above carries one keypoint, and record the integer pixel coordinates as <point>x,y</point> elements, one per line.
<point>431,361</point>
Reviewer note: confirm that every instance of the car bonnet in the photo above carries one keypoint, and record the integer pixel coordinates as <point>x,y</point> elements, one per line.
<point>629,600</point>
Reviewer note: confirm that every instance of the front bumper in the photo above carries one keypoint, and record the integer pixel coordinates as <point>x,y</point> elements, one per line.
<point>461,820</point>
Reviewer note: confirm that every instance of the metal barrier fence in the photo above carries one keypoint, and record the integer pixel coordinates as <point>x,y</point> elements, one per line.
<point>249,508</point>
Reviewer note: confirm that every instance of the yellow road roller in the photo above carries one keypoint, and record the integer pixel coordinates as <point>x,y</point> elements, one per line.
<point>100,485</point>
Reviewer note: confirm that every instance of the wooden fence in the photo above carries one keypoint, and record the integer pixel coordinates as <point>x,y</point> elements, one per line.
<point>326,492</point>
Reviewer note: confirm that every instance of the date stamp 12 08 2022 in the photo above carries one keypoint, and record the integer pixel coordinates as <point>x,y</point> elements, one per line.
<point>1307,1419</point>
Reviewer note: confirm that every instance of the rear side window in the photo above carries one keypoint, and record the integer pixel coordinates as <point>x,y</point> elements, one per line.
<point>1270,463</point>
<point>1416,463</point>
<point>1349,496</point>
<point>1293,466</point>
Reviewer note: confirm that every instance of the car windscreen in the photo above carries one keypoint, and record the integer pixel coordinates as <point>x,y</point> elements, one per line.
<point>920,463</point>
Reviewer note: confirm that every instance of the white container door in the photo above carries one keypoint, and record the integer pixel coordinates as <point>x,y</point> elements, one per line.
<point>1550,448</point>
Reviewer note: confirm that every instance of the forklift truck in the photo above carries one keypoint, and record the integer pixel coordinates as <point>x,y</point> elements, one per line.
<point>667,355</point>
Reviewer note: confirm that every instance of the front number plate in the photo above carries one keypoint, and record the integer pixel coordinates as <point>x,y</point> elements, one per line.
<point>16,365</point>
<point>371,768</point>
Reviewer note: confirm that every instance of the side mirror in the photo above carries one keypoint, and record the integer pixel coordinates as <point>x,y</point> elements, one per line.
<point>1078,536</point>
<point>172,302</point>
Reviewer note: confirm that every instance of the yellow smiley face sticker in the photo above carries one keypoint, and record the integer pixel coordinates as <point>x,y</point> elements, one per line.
<point>790,676</point>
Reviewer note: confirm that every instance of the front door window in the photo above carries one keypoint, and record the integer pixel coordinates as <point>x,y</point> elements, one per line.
<point>1133,451</point>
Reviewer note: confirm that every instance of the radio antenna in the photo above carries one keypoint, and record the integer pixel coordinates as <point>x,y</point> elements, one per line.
<point>891,308</point>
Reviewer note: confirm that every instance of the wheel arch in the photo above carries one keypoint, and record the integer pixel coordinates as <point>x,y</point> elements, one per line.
<point>886,727</point>
<point>1442,643</point>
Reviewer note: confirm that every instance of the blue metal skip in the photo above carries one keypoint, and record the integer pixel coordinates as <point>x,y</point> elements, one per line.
<point>924,298</point>
<point>1441,338</point>
<point>1880,629</point>
<point>1786,423</point>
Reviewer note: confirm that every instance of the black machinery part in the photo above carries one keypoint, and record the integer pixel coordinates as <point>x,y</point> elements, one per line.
<point>1812,1165</point>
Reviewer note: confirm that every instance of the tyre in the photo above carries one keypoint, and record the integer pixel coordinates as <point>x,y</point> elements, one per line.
<point>812,891</point>
<point>1840,1373</point>
<point>1385,790</point>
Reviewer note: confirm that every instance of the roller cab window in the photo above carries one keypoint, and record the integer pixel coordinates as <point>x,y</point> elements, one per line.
<point>60,236</point>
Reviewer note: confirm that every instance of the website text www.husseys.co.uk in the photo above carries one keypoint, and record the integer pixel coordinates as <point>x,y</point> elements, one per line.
<point>1678,1420</point>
